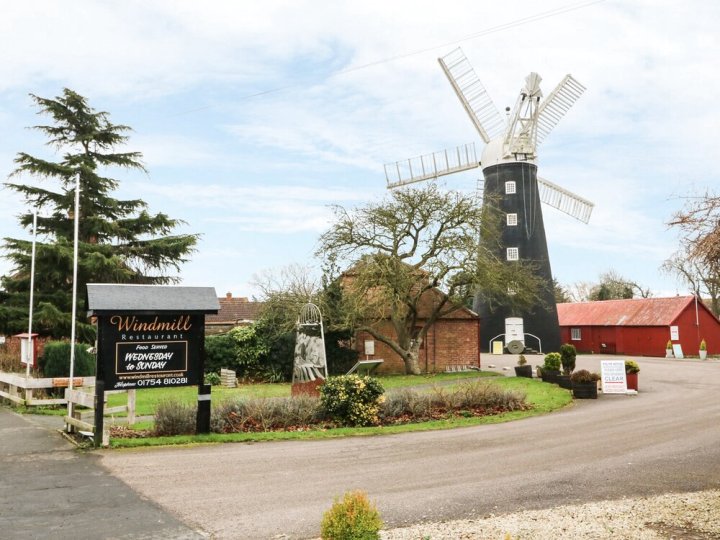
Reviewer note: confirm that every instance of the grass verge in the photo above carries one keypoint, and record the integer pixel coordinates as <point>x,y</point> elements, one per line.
<point>148,398</point>
<point>543,397</point>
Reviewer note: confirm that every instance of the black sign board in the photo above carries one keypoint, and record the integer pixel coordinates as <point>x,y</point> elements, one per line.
<point>150,336</point>
<point>150,351</point>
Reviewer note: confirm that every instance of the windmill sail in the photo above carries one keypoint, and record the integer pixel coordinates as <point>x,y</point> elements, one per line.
<point>554,107</point>
<point>431,166</point>
<point>564,200</point>
<point>480,108</point>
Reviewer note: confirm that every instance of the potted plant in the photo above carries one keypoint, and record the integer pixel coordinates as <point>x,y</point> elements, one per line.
<point>523,369</point>
<point>584,384</point>
<point>551,367</point>
<point>703,350</point>
<point>668,349</point>
<point>631,374</point>
<point>568,353</point>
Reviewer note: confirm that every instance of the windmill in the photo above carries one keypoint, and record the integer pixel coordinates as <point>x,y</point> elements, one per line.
<point>509,165</point>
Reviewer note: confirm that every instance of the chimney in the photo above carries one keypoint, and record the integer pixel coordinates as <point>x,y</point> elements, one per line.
<point>228,295</point>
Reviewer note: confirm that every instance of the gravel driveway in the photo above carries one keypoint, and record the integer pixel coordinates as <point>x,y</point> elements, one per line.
<point>687,516</point>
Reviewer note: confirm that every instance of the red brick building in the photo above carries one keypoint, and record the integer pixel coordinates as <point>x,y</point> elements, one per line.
<point>453,340</point>
<point>234,311</point>
<point>640,326</point>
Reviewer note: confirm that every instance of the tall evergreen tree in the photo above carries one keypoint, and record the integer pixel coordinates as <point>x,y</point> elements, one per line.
<point>119,240</point>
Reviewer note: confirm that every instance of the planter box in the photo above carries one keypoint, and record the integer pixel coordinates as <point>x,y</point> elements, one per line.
<point>586,390</point>
<point>550,375</point>
<point>564,382</point>
<point>524,371</point>
<point>632,381</point>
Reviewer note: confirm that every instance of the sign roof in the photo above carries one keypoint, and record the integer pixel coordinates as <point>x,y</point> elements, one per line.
<point>106,297</point>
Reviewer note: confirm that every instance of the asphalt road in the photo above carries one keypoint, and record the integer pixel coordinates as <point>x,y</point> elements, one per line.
<point>667,438</point>
<point>49,489</point>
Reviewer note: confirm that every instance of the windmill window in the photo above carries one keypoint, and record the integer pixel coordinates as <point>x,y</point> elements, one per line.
<point>575,334</point>
<point>510,187</point>
<point>513,254</point>
<point>511,220</point>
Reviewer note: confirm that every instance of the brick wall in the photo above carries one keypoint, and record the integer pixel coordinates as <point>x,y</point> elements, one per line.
<point>449,341</point>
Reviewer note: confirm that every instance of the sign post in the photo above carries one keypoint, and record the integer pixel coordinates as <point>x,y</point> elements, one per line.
<point>151,337</point>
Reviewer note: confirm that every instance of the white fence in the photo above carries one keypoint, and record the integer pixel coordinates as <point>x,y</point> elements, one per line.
<point>20,389</point>
<point>25,391</point>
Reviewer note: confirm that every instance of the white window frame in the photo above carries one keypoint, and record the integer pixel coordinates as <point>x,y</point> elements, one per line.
<point>511,220</point>
<point>510,187</point>
<point>575,334</point>
<point>512,254</point>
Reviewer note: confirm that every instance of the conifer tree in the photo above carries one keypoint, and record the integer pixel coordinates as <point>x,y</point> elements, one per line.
<point>120,241</point>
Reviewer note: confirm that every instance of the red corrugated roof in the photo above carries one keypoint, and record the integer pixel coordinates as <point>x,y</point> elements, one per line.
<point>634,312</point>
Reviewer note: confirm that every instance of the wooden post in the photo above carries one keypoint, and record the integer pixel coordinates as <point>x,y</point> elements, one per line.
<point>99,412</point>
<point>202,424</point>
<point>131,406</point>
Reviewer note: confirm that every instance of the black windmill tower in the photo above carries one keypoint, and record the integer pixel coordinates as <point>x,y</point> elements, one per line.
<point>511,189</point>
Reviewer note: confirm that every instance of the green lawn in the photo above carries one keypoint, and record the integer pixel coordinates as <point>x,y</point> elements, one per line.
<point>148,398</point>
<point>543,397</point>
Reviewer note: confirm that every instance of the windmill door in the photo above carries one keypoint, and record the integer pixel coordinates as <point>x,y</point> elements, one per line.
<point>514,330</point>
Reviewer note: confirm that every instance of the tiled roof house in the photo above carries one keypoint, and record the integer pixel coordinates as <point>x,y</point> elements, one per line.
<point>234,311</point>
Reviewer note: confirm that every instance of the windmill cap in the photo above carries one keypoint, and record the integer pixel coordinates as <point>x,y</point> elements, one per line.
<point>493,154</point>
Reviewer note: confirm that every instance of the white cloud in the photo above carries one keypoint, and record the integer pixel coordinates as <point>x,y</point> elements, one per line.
<point>179,71</point>
<point>269,209</point>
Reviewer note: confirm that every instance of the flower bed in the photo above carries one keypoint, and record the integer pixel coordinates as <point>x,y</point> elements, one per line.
<point>306,413</point>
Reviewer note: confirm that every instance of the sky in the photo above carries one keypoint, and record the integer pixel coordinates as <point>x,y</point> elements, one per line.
<point>254,118</point>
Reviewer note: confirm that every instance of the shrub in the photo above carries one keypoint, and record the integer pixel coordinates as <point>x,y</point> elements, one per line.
<point>668,345</point>
<point>552,362</point>
<point>470,395</point>
<point>407,402</point>
<point>340,354</point>
<point>584,376</point>
<point>268,373</point>
<point>241,350</point>
<point>250,347</point>
<point>352,518</point>
<point>56,360</point>
<point>173,417</point>
<point>212,378</point>
<point>567,358</point>
<point>483,394</point>
<point>280,353</point>
<point>703,345</point>
<point>263,414</point>
<point>351,399</point>
<point>219,353</point>
<point>10,357</point>
<point>631,367</point>
<point>521,360</point>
